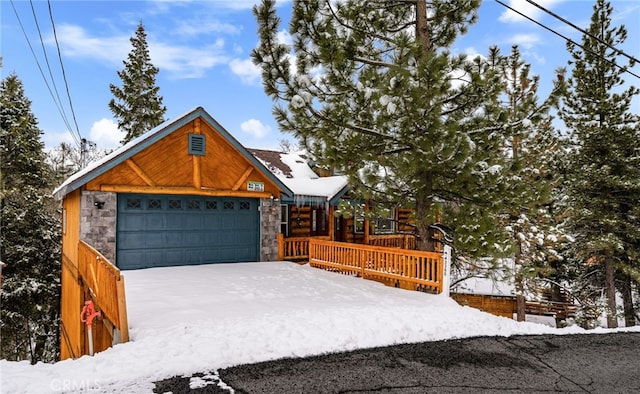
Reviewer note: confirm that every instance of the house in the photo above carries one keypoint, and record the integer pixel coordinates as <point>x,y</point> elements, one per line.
<point>189,193</point>
<point>186,192</point>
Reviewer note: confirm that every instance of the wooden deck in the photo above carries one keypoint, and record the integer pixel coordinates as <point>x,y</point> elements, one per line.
<point>409,269</point>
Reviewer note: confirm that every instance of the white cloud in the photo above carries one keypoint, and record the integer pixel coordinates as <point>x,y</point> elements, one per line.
<point>472,53</point>
<point>248,72</point>
<point>256,128</point>
<point>526,41</point>
<point>185,62</point>
<point>105,134</point>
<point>283,37</point>
<point>205,26</point>
<point>76,43</point>
<point>525,8</point>
<point>178,61</point>
<point>53,139</point>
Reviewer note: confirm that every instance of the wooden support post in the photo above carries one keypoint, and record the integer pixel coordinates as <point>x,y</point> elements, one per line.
<point>280,246</point>
<point>366,223</point>
<point>197,175</point>
<point>122,311</point>
<point>331,222</point>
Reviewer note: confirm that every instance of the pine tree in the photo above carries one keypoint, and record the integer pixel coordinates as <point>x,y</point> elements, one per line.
<point>376,92</point>
<point>604,172</point>
<point>532,147</point>
<point>29,234</point>
<point>137,105</point>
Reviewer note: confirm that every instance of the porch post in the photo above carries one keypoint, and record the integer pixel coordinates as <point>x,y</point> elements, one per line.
<point>446,277</point>
<point>331,223</point>
<point>366,222</point>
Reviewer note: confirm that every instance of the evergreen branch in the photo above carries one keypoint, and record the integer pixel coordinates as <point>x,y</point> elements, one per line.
<point>352,28</point>
<point>378,63</point>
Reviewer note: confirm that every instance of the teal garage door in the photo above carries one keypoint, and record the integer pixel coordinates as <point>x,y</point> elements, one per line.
<point>168,230</point>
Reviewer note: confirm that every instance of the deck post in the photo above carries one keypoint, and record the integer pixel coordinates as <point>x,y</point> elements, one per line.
<point>280,246</point>
<point>446,280</point>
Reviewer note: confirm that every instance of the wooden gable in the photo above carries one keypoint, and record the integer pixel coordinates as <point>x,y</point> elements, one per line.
<point>167,167</point>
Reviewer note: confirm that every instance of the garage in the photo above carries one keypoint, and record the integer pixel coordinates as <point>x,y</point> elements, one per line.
<point>168,230</point>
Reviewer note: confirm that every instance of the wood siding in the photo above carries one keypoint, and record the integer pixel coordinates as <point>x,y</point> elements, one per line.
<point>166,167</point>
<point>72,297</point>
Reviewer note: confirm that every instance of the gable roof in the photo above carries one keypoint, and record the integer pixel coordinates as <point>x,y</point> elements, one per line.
<point>294,171</point>
<point>147,139</point>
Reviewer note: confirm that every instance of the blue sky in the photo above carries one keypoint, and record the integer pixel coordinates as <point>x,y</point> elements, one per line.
<point>202,49</point>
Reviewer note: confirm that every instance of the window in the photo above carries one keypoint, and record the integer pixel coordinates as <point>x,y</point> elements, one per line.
<point>384,224</point>
<point>134,203</point>
<point>175,204</point>
<point>154,203</point>
<point>210,205</point>
<point>358,223</point>
<point>194,204</point>
<point>245,205</point>
<point>229,205</point>
<point>284,220</point>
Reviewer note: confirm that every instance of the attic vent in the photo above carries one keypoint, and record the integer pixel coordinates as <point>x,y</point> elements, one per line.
<point>196,144</point>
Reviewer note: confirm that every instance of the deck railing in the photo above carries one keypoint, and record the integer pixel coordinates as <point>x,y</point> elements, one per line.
<point>402,241</point>
<point>399,267</point>
<point>294,248</point>
<point>106,286</point>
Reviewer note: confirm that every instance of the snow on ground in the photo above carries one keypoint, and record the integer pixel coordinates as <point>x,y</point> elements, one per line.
<point>200,318</point>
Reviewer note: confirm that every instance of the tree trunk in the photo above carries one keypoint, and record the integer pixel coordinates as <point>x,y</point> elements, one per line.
<point>422,26</point>
<point>610,292</point>
<point>521,303</point>
<point>624,285</point>
<point>424,213</point>
<point>521,313</point>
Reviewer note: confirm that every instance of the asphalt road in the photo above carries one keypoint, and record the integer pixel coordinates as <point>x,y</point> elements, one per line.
<point>590,363</point>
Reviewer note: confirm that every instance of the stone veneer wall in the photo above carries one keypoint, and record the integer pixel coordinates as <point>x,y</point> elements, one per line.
<point>269,228</point>
<point>98,225</point>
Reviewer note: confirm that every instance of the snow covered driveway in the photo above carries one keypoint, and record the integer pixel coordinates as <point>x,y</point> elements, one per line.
<point>188,319</point>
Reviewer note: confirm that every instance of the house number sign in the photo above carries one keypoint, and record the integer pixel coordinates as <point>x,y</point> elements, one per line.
<point>255,186</point>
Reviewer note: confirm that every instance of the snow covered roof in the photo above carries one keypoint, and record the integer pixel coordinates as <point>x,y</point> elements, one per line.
<point>149,138</point>
<point>293,170</point>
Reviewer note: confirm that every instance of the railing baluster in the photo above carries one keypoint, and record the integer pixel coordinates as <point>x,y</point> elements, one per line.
<point>387,264</point>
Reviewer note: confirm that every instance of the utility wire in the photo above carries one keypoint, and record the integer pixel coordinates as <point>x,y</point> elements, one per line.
<point>64,74</point>
<point>624,69</point>
<point>46,58</point>
<point>60,110</point>
<point>618,51</point>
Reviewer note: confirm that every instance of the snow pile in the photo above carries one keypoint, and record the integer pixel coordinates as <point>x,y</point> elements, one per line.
<point>199,318</point>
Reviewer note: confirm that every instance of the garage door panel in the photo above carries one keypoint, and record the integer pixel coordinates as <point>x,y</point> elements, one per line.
<point>154,222</point>
<point>134,222</point>
<point>193,220</point>
<point>156,231</point>
<point>174,221</point>
<point>193,238</point>
<point>175,257</point>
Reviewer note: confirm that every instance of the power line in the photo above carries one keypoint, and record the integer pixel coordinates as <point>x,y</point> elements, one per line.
<point>624,69</point>
<point>64,74</point>
<point>60,109</point>
<point>46,58</point>
<point>618,51</point>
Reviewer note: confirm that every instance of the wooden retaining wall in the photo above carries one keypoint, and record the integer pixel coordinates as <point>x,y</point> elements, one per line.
<point>494,304</point>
